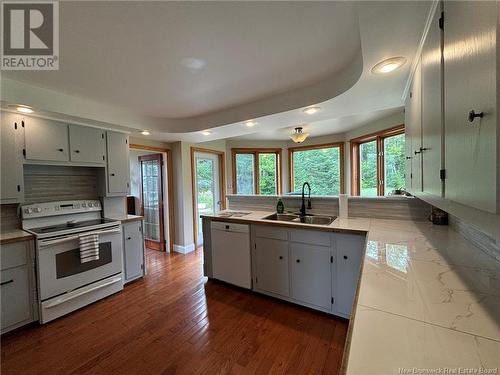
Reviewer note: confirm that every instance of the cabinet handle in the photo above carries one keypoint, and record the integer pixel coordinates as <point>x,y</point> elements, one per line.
<point>77,151</point>
<point>112,174</point>
<point>417,152</point>
<point>60,150</point>
<point>7,282</point>
<point>281,256</point>
<point>408,157</point>
<point>423,149</point>
<point>345,256</point>
<point>227,226</point>
<point>298,260</point>
<point>472,115</point>
<point>129,238</point>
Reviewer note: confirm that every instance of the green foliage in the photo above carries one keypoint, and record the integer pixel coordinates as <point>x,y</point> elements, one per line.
<point>244,174</point>
<point>204,173</point>
<point>368,168</point>
<point>267,174</point>
<point>321,168</point>
<point>394,169</point>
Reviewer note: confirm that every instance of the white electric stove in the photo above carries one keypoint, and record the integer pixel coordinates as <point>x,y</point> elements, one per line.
<point>64,283</point>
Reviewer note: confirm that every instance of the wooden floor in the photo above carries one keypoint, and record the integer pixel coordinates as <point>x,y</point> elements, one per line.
<point>175,322</point>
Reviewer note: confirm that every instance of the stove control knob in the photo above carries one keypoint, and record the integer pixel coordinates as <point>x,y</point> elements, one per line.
<point>38,209</point>
<point>84,204</point>
<point>90,204</point>
<point>28,210</point>
<point>96,204</point>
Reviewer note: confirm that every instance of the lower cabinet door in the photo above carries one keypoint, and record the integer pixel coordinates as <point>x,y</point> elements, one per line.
<point>15,291</point>
<point>133,258</point>
<point>271,266</point>
<point>311,274</point>
<point>349,256</point>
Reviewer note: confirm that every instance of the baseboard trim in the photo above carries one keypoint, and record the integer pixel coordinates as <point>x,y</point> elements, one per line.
<point>184,249</point>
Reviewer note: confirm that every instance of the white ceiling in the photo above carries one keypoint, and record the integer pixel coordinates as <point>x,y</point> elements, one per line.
<point>325,127</point>
<point>180,67</point>
<point>183,59</point>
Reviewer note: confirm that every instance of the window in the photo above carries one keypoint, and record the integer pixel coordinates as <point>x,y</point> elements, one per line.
<point>256,171</point>
<point>322,166</point>
<point>378,163</point>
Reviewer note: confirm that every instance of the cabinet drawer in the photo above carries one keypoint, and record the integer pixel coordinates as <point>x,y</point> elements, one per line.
<point>14,254</point>
<point>16,305</point>
<point>272,232</point>
<point>310,237</point>
<point>220,225</point>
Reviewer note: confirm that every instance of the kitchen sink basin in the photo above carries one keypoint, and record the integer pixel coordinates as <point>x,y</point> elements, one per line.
<point>282,217</point>
<point>307,219</point>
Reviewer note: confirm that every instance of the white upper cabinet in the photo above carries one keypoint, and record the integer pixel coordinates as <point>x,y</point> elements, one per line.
<point>118,163</point>
<point>470,84</point>
<point>432,109</point>
<point>11,158</point>
<point>46,140</point>
<point>414,133</point>
<point>87,145</point>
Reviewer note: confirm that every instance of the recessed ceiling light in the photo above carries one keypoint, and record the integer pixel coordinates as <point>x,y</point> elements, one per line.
<point>193,64</point>
<point>250,123</point>
<point>206,132</point>
<point>24,109</point>
<point>145,132</point>
<point>389,65</point>
<point>311,110</point>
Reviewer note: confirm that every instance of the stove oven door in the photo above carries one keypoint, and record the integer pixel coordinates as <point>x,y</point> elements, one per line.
<point>60,269</point>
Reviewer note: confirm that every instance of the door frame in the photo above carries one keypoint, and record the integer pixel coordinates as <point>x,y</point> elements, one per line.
<point>155,245</point>
<point>222,185</point>
<point>170,194</point>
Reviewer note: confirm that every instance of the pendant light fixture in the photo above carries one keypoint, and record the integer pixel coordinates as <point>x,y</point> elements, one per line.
<point>299,136</point>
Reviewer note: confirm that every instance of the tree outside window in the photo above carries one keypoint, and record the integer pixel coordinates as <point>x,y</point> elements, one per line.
<point>256,171</point>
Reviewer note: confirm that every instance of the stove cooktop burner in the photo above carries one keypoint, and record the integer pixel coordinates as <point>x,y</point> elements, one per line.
<point>70,225</point>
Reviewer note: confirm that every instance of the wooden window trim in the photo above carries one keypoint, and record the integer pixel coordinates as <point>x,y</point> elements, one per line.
<point>170,190</point>
<point>255,152</point>
<point>379,136</point>
<point>222,183</point>
<point>291,150</point>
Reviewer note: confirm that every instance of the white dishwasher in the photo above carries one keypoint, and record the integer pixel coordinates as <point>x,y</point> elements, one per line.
<point>231,253</point>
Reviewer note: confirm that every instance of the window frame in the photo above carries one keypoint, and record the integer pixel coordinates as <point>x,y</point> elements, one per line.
<point>379,137</point>
<point>256,177</point>
<point>291,150</point>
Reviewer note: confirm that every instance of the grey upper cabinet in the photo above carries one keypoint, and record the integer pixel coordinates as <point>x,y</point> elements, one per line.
<point>11,159</point>
<point>470,84</point>
<point>87,145</point>
<point>118,163</point>
<point>46,140</point>
<point>432,126</point>
<point>414,133</point>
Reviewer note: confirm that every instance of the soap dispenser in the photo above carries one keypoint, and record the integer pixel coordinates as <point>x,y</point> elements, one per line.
<point>280,207</point>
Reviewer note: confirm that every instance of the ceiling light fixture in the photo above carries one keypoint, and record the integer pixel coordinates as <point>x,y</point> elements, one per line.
<point>206,132</point>
<point>24,109</point>
<point>311,110</point>
<point>299,136</point>
<point>145,132</point>
<point>389,65</point>
<point>250,123</point>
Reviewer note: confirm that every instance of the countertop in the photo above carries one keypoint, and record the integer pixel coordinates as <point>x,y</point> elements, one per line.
<point>127,218</point>
<point>427,299</point>
<point>14,235</point>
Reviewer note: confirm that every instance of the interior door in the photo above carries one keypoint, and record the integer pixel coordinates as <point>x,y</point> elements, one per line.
<point>207,186</point>
<point>152,200</point>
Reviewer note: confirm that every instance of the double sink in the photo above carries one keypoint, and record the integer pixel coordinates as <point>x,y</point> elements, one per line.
<point>305,219</point>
